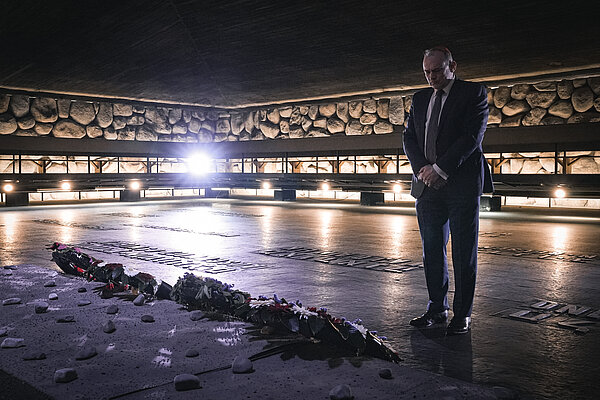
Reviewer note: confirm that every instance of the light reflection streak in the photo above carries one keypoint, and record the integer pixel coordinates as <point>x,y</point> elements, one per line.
<point>396,236</point>
<point>560,235</point>
<point>325,220</point>
<point>266,226</point>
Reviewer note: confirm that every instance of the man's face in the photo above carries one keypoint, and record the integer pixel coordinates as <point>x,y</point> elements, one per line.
<point>437,71</point>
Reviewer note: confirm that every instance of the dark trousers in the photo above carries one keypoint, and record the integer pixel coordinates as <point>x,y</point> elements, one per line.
<point>442,213</point>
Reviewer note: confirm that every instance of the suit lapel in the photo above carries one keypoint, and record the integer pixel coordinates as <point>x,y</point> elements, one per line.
<point>423,117</point>
<point>449,103</point>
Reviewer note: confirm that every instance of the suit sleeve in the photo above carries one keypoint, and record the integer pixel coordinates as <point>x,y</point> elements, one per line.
<point>413,151</point>
<point>473,128</point>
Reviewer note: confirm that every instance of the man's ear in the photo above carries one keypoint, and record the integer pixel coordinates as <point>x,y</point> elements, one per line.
<point>452,65</point>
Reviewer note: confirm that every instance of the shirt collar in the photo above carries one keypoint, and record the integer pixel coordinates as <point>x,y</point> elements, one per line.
<point>447,88</point>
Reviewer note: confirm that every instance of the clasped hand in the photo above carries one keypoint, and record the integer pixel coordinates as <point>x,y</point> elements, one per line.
<point>430,177</point>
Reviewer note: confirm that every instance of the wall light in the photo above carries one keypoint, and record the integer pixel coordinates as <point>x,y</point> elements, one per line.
<point>199,164</point>
<point>560,193</point>
<point>8,188</point>
<point>397,188</point>
<point>65,186</point>
<point>135,185</point>
<point>325,186</point>
<point>266,185</point>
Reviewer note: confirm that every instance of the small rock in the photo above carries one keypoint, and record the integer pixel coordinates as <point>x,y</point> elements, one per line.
<point>65,375</point>
<point>3,332</point>
<point>82,303</point>
<point>11,301</point>
<point>112,309</point>
<point>52,296</point>
<point>50,284</point>
<point>12,343</point>
<point>186,382</point>
<point>341,392</point>
<point>86,352</point>
<point>140,300</point>
<point>196,315</point>
<point>109,327</point>
<point>82,290</point>
<point>267,330</point>
<point>147,318</point>
<point>192,353</point>
<point>34,355</point>
<point>41,307</point>
<point>242,365</point>
<point>66,319</point>
<point>13,267</point>
<point>385,373</point>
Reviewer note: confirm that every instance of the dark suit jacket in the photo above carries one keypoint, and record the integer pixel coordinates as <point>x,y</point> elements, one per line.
<point>460,132</point>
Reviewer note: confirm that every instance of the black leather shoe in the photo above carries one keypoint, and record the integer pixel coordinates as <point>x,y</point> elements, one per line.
<point>459,326</point>
<point>429,318</point>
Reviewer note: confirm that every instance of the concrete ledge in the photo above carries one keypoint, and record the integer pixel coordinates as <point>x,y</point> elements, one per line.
<point>129,195</point>
<point>216,194</point>
<point>284,195</point>
<point>16,199</point>
<point>371,198</point>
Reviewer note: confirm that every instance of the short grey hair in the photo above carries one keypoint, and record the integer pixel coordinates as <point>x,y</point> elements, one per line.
<point>440,49</point>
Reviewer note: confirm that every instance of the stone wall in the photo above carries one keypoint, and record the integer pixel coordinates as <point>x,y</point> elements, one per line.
<point>544,103</point>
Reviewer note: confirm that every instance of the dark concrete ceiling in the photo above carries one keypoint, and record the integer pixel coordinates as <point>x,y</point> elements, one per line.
<point>232,53</point>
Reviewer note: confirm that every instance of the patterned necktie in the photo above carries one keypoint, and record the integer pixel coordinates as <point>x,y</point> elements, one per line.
<point>432,127</point>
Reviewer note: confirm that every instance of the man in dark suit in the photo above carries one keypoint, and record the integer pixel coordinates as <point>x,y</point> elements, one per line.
<point>443,143</point>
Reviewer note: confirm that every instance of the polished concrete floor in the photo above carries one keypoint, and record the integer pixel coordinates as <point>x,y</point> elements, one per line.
<point>536,322</point>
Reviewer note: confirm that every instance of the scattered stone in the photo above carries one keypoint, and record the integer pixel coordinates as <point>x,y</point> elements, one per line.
<point>4,101</point>
<point>383,108</point>
<point>82,290</point>
<point>43,129</point>
<point>93,131</point>
<point>312,111</point>
<point>192,353</point>
<point>383,127</point>
<point>7,124</point>
<point>41,307</point>
<point>175,115</point>
<point>273,116</point>
<point>65,375</point>
<point>594,84</point>
<point>86,352</point>
<point>515,107</point>
<point>139,300</point>
<point>368,119</point>
<point>66,319</point>
<point>53,296</point>
<point>286,112</point>
<point>370,106</point>
<point>34,355</point>
<point>583,99</point>
<point>515,120</point>
<point>12,301</point>
<point>109,327</point>
<point>26,122</point>
<point>44,109</point>
<point>12,343</point>
<point>145,134</point>
<point>341,392</point>
<point>396,110</point>
<point>519,91</point>
<point>50,284</point>
<point>335,125</point>
<point>112,309</point>
<point>196,315</point>
<point>242,365</point>
<point>562,109</point>
<point>83,303</point>
<point>534,116</point>
<point>342,112</point>
<point>545,86</point>
<point>327,110</point>
<point>564,89</point>
<point>68,129</point>
<point>122,110</point>
<point>385,373</point>
<point>19,104</point>
<point>269,130</point>
<point>355,109</point>
<point>495,116</point>
<point>502,96</point>
<point>64,106</point>
<point>147,318</point>
<point>541,99</point>
<point>186,382</point>
<point>82,112</point>
<point>13,267</point>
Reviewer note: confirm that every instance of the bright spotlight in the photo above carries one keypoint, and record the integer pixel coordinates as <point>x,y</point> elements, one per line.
<point>65,186</point>
<point>199,164</point>
<point>560,193</point>
<point>266,185</point>
<point>134,185</point>
<point>325,186</point>
<point>8,187</point>
<point>397,188</point>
